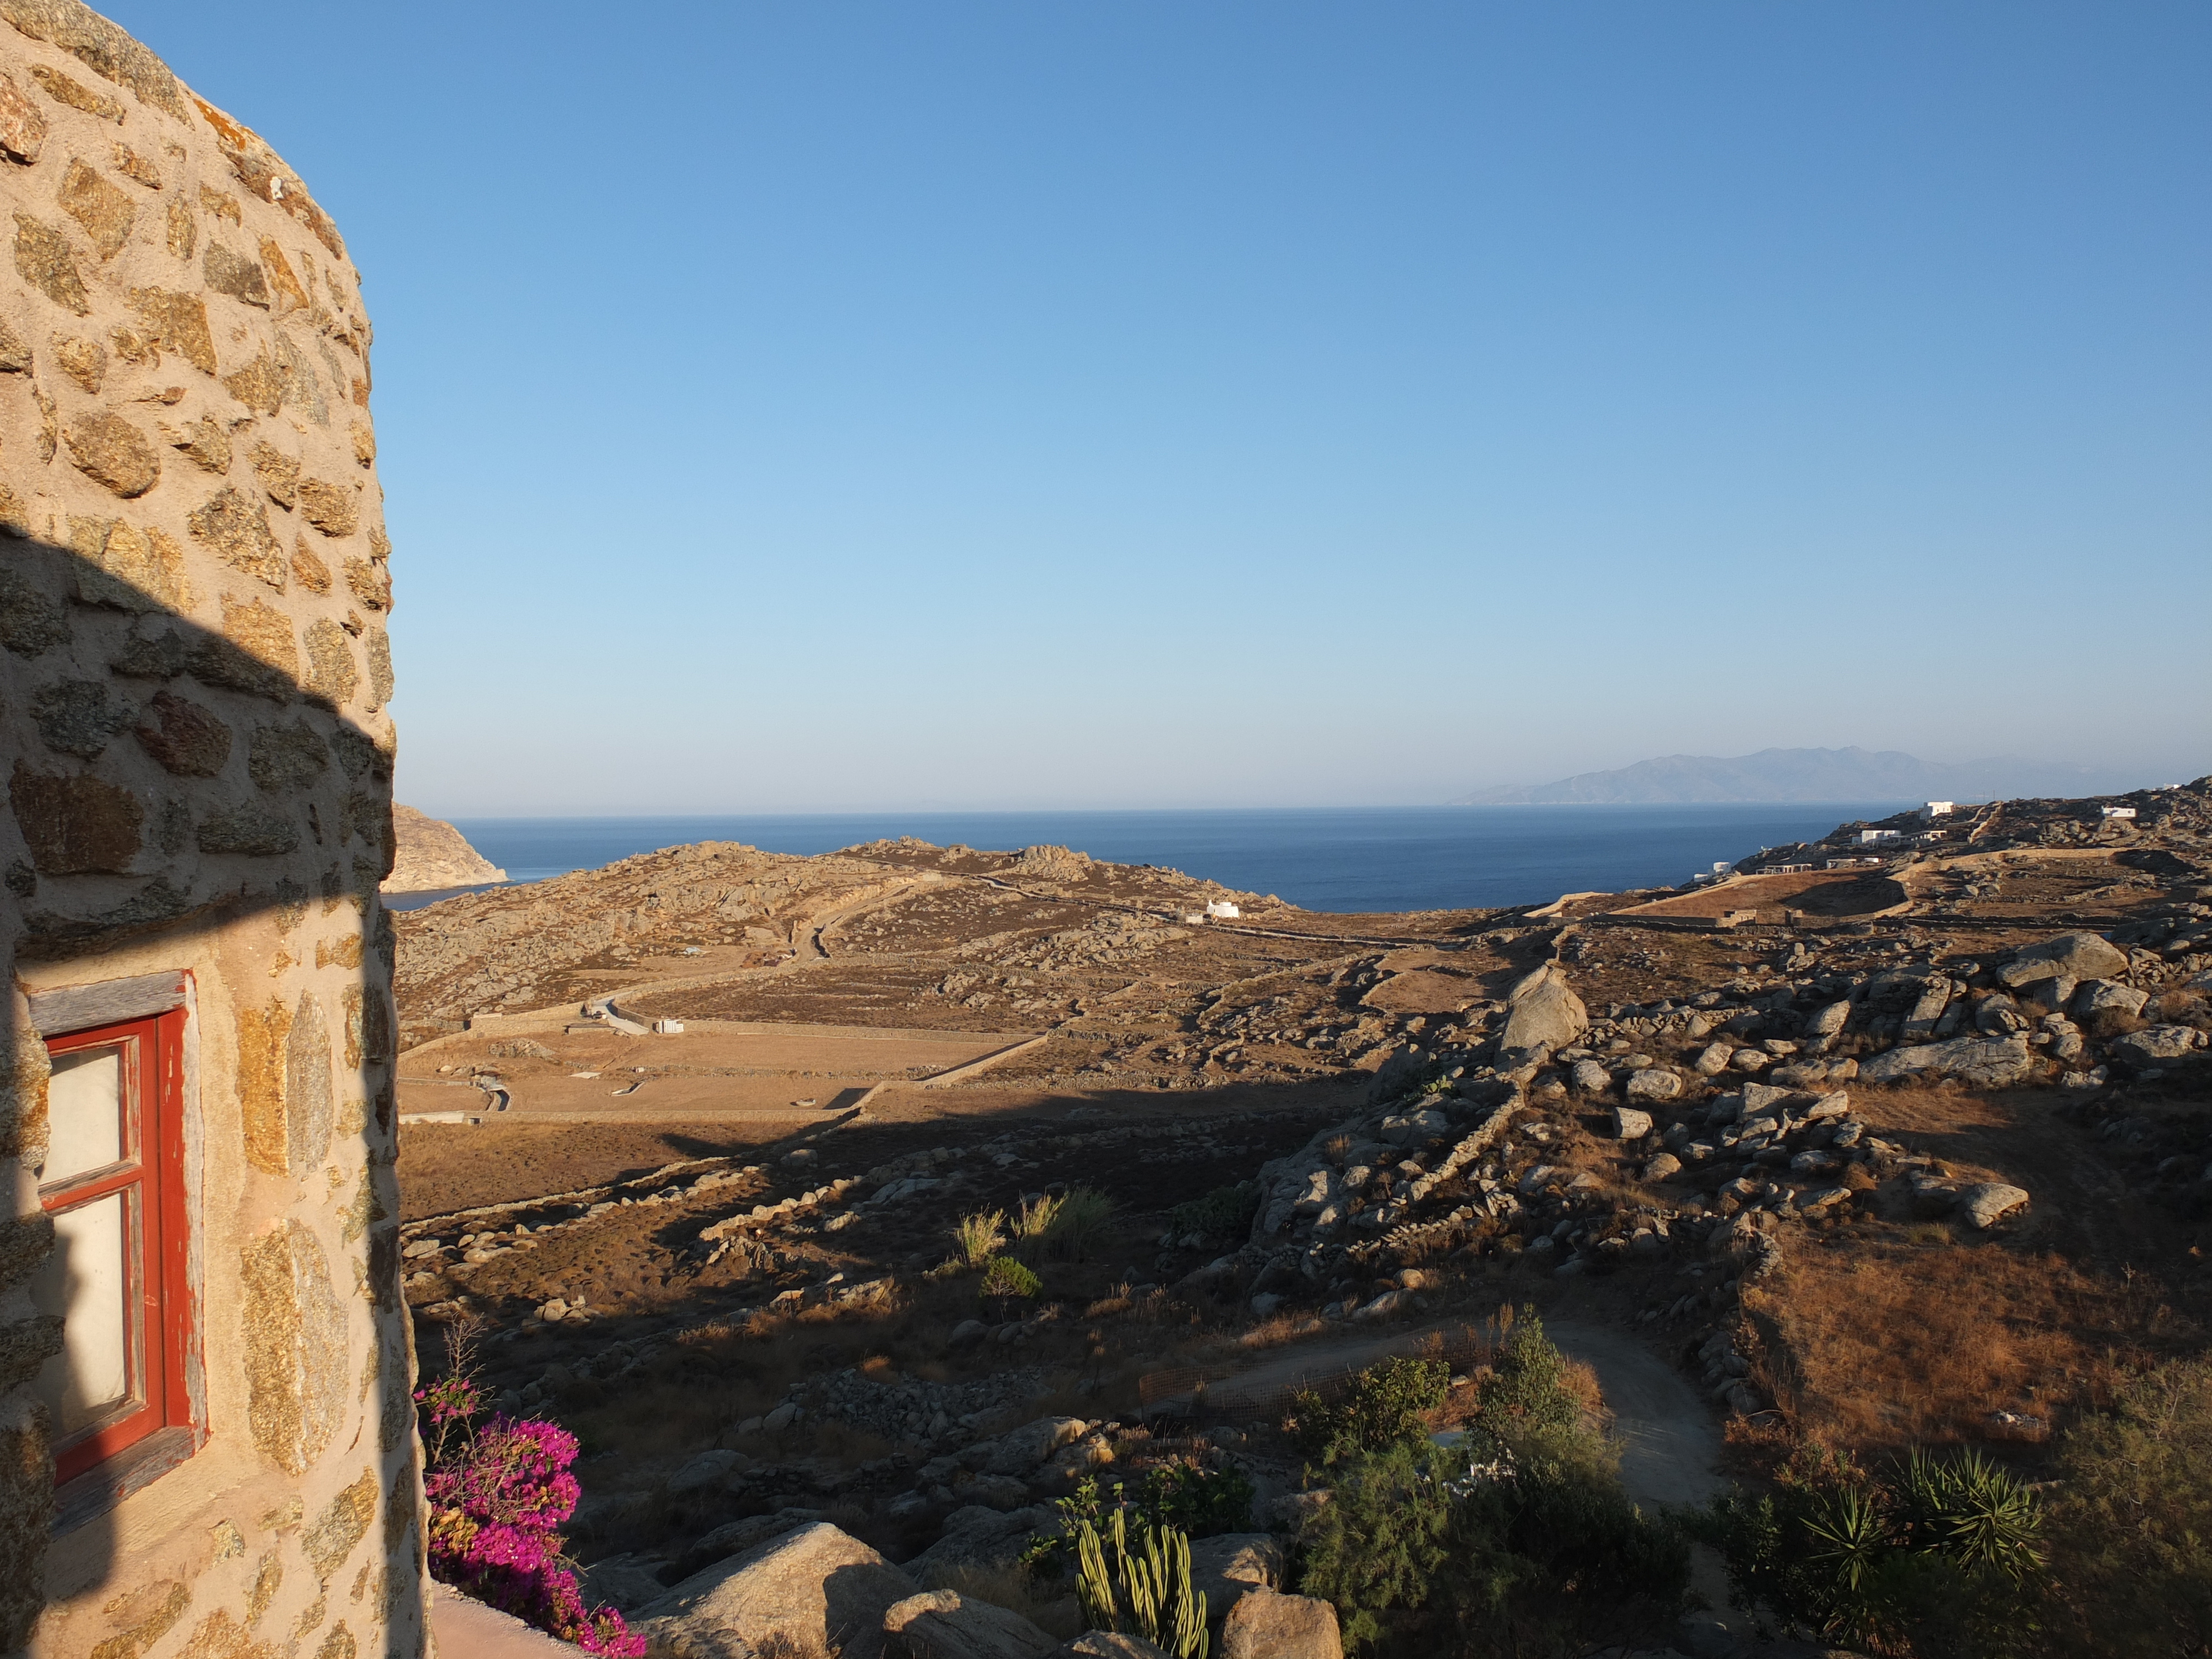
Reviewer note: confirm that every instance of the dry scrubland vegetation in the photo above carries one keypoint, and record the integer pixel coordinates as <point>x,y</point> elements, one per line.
<point>1293,1139</point>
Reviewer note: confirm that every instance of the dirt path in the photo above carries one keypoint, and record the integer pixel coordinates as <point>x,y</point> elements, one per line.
<point>1670,1442</point>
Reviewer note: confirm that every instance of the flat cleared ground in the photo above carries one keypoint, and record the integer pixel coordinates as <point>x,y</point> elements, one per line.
<point>714,1070</point>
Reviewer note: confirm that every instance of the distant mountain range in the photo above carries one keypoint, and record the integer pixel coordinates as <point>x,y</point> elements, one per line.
<point>1815,775</point>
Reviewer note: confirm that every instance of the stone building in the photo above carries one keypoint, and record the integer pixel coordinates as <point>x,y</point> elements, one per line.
<point>206,1440</point>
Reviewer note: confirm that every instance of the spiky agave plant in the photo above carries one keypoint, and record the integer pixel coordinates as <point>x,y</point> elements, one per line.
<point>1973,1509</point>
<point>1146,1594</point>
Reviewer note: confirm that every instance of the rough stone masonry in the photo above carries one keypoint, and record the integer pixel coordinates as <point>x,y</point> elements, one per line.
<point>193,681</point>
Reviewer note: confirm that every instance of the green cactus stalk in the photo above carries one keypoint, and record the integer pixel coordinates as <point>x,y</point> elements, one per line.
<point>1148,1593</point>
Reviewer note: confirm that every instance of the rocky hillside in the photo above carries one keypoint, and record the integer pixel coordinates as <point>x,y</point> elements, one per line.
<point>1926,1165</point>
<point>430,855</point>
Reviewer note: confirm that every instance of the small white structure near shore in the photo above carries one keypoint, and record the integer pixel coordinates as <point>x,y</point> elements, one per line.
<point>2118,812</point>
<point>1223,910</point>
<point>1936,809</point>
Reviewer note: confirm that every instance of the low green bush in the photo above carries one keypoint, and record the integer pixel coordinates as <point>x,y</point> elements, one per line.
<point>1224,1213</point>
<point>2131,1524</point>
<point>1003,1276</point>
<point>1932,1556</point>
<point>1383,1407</point>
<point>1516,1540</point>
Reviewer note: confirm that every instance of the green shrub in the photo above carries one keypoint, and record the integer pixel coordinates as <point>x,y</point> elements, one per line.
<point>1932,1557</point>
<point>2131,1530</point>
<point>977,1238</point>
<point>1076,1225</point>
<point>1005,1277</point>
<point>1383,1407</point>
<point>1224,1213</point>
<point>1525,1388</point>
<point>1503,1549</point>
<point>1376,1547</point>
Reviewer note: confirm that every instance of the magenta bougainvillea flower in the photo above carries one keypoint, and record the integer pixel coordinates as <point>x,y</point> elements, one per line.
<point>498,1491</point>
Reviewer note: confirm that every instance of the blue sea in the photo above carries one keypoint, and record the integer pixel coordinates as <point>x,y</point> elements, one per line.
<point>1339,859</point>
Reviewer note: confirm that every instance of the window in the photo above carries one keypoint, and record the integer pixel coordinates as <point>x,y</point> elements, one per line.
<point>114,1185</point>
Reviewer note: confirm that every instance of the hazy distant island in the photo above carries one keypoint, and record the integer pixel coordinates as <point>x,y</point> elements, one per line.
<point>1812,775</point>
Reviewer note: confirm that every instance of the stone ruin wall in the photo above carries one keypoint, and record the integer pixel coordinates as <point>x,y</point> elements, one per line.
<point>194,682</point>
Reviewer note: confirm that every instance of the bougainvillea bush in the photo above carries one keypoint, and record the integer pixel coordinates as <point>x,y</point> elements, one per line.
<point>498,1488</point>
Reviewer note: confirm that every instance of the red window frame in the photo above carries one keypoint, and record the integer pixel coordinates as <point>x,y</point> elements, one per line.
<point>160,1254</point>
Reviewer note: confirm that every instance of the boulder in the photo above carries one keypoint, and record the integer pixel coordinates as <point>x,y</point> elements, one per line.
<point>1543,1013</point>
<point>2157,1043</point>
<point>817,1587</point>
<point>1019,1450</point>
<point>1665,1165</point>
<point>709,1468</point>
<point>2072,956</point>
<point>1629,1124</point>
<point>1654,1083</point>
<point>1264,1625</point>
<point>1714,1058</point>
<point>1231,1566</point>
<point>975,1536</point>
<point>1591,1078</point>
<point>2097,996</point>
<point>1992,1062</point>
<point>735,1535</point>
<point>1106,1645</point>
<point>967,1333</point>
<point>1415,1128</point>
<point>946,1625</point>
<point>1989,1202</point>
<point>629,1581</point>
<point>997,1491</point>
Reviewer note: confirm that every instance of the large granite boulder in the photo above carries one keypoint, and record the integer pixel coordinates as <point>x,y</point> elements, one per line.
<point>946,1625</point>
<point>1264,1625</point>
<point>816,1586</point>
<point>1992,1062</point>
<point>1989,1202</point>
<point>1543,1013</point>
<point>1227,1567</point>
<point>976,1536</point>
<point>2157,1043</point>
<point>2071,955</point>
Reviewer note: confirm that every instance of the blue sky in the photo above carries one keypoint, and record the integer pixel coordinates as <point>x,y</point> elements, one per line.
<point>846,406</point>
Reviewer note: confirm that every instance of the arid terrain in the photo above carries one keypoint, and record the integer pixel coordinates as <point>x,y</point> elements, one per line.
<point>1910,1148</point>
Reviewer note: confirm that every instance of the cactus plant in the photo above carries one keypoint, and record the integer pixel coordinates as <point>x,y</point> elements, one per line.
<point>1147,1593</point>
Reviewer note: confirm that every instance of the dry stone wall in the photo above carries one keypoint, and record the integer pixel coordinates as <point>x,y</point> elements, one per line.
<point>194,588</point>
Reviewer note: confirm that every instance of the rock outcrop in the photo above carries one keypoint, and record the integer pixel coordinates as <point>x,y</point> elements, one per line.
<point>817,1588</point>
<point>429,855</point>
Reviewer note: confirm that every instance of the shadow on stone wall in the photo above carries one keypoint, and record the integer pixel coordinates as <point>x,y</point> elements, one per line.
<point>205,792</point>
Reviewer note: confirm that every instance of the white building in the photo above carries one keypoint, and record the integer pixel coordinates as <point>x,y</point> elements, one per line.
<point>1223,910</point>
<point>1869,838</point>
<point>1936,809</point>
<point>2118,812</point>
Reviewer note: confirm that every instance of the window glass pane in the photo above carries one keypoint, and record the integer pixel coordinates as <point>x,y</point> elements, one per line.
<point>88,1280</point>
<point>84,1113</point>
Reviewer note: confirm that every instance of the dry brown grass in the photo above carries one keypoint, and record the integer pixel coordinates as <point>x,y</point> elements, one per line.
<point>1895,1344</point>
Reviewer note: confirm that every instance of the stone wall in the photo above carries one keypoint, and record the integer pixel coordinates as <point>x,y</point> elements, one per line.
<point>193,676</point>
